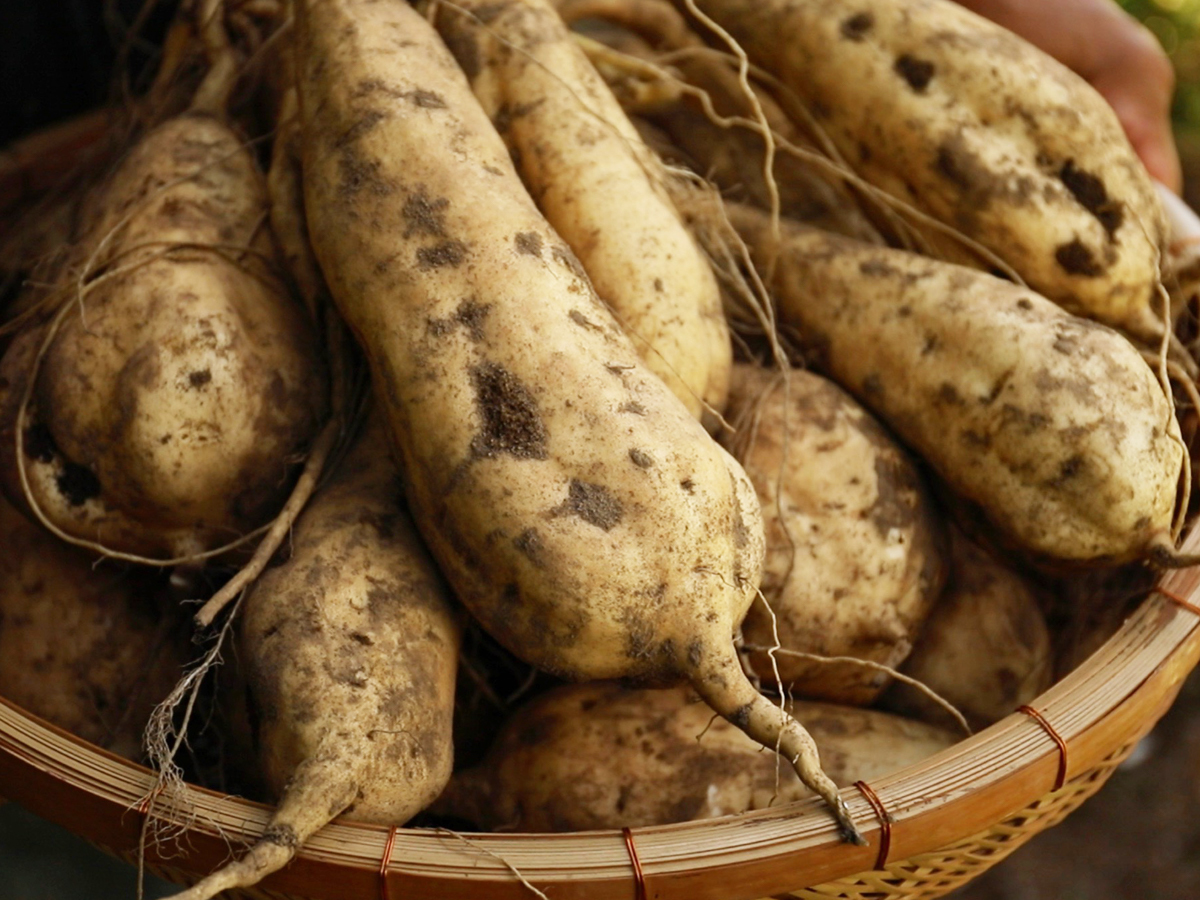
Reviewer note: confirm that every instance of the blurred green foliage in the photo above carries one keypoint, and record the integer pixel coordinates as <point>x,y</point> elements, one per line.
<point>1176,24</point>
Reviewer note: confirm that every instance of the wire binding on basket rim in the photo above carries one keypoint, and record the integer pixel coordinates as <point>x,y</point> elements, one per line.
<point>639,877</point>
<point>885,822</point>
<point>384,892</point>
<point>1061,778</point>
<point>1177,600</point>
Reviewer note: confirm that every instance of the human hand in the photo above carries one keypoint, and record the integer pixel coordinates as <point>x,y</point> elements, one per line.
<point>1113,52</point>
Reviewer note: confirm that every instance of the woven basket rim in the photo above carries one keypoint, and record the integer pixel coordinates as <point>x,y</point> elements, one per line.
<point>1115,695</point>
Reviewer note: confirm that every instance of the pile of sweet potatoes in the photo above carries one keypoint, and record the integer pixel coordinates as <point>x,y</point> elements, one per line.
<point>558,406</point>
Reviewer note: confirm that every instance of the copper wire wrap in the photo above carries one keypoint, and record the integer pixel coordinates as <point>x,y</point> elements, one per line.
<point>639,878</point>
<point>885,823</point>
<point>384,893</point>
<point>1061,778</point>
<point>1178,601</point>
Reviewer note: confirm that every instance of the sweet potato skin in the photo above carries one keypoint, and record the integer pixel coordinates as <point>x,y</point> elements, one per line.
<point>855,546</point>
<point>577,508</point>
<point>1052,425</point>
<point>598,756</point>
<point>954,114</point>
<point>183,383</point>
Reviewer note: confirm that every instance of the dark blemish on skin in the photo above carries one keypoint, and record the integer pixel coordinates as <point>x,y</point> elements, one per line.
<point>199,379</point>
<point>1091,194</point>
<point>877,268</point>
<point>641,458</point>
<point>688,485</point>
<point>1077,259</point>
<point>948,393</point>
<point>426,99</point>
<point>365,123</point>
<point>1069,469</point>
<point>658,285</point>
<point>39,443</point>
<point>281,835</point>
<point>856,27</point>
<point>593,503</point>
<point>447,254</point>
<point>583,321</point>
<point>695,653</point>
<point>894,483</point>
<point>931,344</point>
<point>740,716</point>
<point>1025,303</point>
<point>424,216</point>
<point>529,542</point>
<point>872,385</point>
<point>471,314</point>
<point>632,407</point>
<point>511,423</point>
<point>529,243</point>
<point>359,638</point>
<point>358,175</point>
<point>917,72</point>
<point>78,484</point>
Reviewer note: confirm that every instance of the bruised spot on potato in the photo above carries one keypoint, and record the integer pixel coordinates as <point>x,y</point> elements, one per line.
<point>1091,194</point>
<point>658,285</point>
<point>447,254</point>
<point>426,99</point>
<point>39,443</point>
<point>511,422</point>
<point>358,175</point>
<point>470,315</point>
<point>583,321</point>
<point>78,484</point>
<point>1076,259</point>
<point>948,393</point>
<point>528,243</point>
<point>1025,303</point>
<point>199,378</point>
<point>740,716</point>
<point>365,122</point>
<point>530,544</point>
<point>917,72</point>
<point>641,458</point>
<point>423,215</point>
<point>282,835</point>
<point>878,268</point>
<point>593,503</point>
<point>1069,469</point>
<point>857,26</point>
<point>895,485</point>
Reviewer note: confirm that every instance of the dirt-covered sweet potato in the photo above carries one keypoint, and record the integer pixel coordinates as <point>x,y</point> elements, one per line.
<point>855,556</point>
<point>1052,425</point>
<point>975,126</point>
<point>598,755</point>
<point>580,512</point>
<point>349,649</point>
<point>985,648</point>
<point>181,378</point>
<point>87,648</point>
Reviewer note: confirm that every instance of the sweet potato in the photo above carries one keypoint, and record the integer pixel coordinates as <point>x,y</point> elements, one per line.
<point>600,188</point>
<point>968,122</point>
<point>85,648</point>
<point>181,377</point>
<point>855,555</point>
<point>350,649</point>
<point>985,647</point>
<point>592,756</point>
<point>1054,426</point>
<point>579,511</point>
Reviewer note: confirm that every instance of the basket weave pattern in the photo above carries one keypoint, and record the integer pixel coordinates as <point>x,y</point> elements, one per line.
<point>930,875</point>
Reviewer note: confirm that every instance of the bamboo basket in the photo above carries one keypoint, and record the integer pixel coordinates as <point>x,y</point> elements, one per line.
<point>932,826</point>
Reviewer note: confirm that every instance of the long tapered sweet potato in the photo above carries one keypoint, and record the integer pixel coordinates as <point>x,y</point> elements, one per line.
<point>600,188</point>
<point>970,123</point>
<point>580,512</point>
<point>350,649</point>
<point>1054,426</point>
